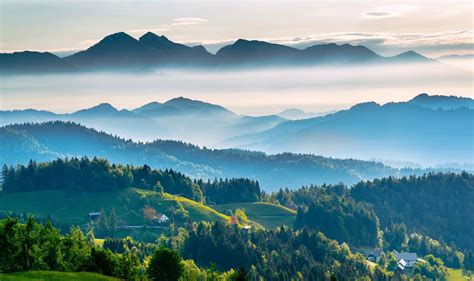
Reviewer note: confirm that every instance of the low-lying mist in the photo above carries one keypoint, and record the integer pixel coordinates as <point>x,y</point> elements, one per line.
<point>251,91</point>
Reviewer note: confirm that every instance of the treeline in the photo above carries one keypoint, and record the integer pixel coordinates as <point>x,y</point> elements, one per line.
<point>342,219</point>
<point>230,191</point>
<point>212,251</point>
<point>439,205</point>
<point>280,254</point>
<point>98,175</point>
<point>33,246</point>
<point>329,209</point>
<point>397,238</point>
<point>332,210</point>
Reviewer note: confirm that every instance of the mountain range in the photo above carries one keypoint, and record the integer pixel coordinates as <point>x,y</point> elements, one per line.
<point>427,130</point>
<point>120,51</point>
<point>178,119</point>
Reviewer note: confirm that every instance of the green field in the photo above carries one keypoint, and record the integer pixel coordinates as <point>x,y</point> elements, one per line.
<point>54,276</point>
<point>457,275</point>
<point>266,214</point>
<point>73,207</point>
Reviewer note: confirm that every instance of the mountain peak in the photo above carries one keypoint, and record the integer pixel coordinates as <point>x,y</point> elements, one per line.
<point>154,41</point>
<point>365,106</point>
<point>103,108</point>
<point>441,102</point>
<point>118,37</point>
<point>411,56</point>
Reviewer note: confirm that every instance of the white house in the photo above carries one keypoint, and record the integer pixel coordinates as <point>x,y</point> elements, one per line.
<point>409,258</point>
<point>163,218</point>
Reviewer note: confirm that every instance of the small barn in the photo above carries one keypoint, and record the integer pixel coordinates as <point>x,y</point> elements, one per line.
<point>401,265</point>
<point>373,255</point>
<point>410,259</point>
<point>93,216</point>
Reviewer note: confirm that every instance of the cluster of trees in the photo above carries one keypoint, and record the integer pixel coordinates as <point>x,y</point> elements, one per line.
<point>279,254</point>
<point>96,175</point>
<point>230,190</point>
<point>396,237</point>
<point>340,218</point>
<point>66,174</point>
<point>440,205</point>
<point>329,209</point>
<point>432,269</point>
<point>33,246</point>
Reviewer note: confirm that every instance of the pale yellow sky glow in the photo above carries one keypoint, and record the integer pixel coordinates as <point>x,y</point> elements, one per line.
<point>433,28</point>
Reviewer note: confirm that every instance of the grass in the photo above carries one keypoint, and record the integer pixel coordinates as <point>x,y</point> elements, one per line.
<point>458,275</point>
<point>54,276</point>
<point>267,215</point>
<point>99,242</point>
<point>197,210</point>
<point>73,207</point>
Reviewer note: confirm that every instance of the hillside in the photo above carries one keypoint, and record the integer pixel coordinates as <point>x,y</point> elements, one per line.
<point>267,215</point>
<point>73,207</point>
<point>433,204</point>
<point>47,141</point>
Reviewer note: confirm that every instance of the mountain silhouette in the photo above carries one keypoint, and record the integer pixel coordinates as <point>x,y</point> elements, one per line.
<point>410,56</point>
<point>120,51</point>
<point>26,62</point>
<point>256,52</point>
<point>333,53</point>
<point>410,131</point>
<point>171,52</point>
<point>442,102</point>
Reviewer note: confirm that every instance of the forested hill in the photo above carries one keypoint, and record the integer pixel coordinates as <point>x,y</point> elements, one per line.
<point>98,175</point>
<point>439,205</point>
<point>48,141</point>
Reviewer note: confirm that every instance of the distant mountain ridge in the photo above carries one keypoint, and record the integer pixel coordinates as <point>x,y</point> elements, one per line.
<point>430,130</point>
<point>179,118</point>
<point>46,141</point>
<point>120,51</point>
<point>442,102</point>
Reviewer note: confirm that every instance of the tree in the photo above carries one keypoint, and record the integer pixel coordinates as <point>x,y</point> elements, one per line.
<point>113,221</point>
<point>158,188</point>
<point>239,275</point>
<point>149,213</point>
<point>394,237</point>
<point>103,223</point>
<point>165,265</point>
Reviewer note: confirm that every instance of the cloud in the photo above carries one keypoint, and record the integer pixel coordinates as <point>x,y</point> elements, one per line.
<point>187,21</point>
<point>389,11</point>
<point>380,14</point>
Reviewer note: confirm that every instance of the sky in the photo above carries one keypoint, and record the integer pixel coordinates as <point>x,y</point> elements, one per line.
<point>433,28</point>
